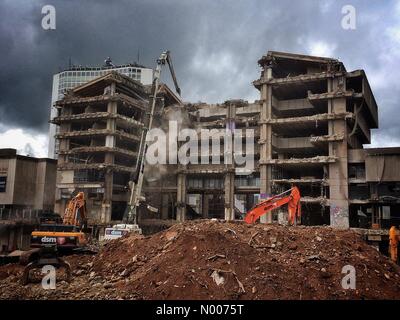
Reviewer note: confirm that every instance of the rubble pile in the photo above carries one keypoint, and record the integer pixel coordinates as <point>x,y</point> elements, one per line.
<point>223,260</point>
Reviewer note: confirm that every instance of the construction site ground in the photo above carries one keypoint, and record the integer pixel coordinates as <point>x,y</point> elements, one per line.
<point>209,259</point>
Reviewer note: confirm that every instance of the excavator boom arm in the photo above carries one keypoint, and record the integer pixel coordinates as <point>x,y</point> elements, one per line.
<point>265,207</point>
<point>293,201</point>
<point>76,205</point>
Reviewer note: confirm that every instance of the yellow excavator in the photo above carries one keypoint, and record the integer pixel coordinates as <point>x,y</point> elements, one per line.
<point>56,235</point>
<point>70,234</point>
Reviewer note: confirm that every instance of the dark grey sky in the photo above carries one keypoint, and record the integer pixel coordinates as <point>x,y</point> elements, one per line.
<point>215,46</point>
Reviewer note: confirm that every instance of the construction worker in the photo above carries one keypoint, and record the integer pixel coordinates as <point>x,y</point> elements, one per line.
<point>393,243</point>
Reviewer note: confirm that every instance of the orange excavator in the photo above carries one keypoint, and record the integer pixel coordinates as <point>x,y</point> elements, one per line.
<point>57,235</point>
<point>290,197</point>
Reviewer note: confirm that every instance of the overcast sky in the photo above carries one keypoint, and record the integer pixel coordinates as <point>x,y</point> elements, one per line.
<point>215,46</point>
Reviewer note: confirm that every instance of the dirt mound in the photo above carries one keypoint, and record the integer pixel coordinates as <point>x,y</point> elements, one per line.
<point>189,260</point>
<point>224,260</point>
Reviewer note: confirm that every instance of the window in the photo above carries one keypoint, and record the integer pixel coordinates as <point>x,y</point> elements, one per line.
<point>386,212</point>
<point>213,183</point>
<point>3,184</point>
<point>195,183</point>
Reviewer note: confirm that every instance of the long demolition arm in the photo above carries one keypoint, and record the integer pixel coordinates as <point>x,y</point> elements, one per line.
<point>293,201</point>
<point>172,71</point>
<point>137,179</point>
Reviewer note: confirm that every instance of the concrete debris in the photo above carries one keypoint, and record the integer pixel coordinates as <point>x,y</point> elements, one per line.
<point>218,278</point>
<point>223,266</point>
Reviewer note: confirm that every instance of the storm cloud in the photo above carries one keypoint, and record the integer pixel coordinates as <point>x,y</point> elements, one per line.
<point>215,46</point>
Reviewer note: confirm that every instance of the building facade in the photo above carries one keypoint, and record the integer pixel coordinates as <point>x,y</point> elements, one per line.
<point>27,189</point>
<point>374,188</point>
<point>312,116</point>
<point>309,128</point>
<point>100,126</point>
<point>26,183</point>
<point>313,112</point>
<point>76,76</point>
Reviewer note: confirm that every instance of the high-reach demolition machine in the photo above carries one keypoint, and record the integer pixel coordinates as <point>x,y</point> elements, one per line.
<point>136,181</point>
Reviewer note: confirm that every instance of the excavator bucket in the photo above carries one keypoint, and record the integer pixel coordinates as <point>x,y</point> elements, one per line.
<point>47,256</point>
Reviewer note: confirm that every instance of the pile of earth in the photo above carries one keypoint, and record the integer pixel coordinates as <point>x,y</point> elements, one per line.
<point>212,259</point>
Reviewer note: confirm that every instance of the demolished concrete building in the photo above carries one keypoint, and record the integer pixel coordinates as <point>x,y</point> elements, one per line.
<point>99,133</point>
<point>310,124</point>
<point>100,127</point>
<point>312,113</point>
<point>312,119</point>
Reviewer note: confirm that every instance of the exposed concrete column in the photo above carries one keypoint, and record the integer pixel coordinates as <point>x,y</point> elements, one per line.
<point>266,141</point>
<point>338,171</point>
<point>229,186</point>
<point>12,240</point>
<point>229,183</point>
<point>21,237</point>
<point>113,86</point>
<point>181,198</point>
<point>106,207</point>
<point>205,205</point>
<point>111,124</point>
<point>249,202</point>
<point>164,206</point>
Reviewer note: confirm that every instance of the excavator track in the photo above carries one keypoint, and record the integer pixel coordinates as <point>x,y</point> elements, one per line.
<point>46,256</point>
